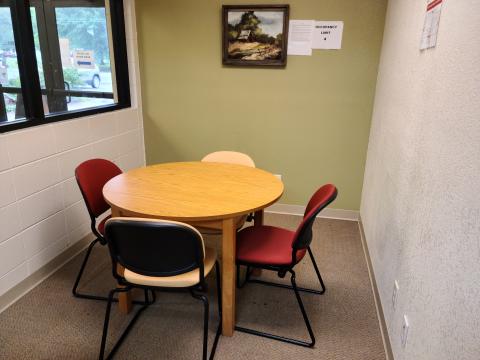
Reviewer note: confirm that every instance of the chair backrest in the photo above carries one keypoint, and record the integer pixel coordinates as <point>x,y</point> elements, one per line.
<point>321,199</point>
<point>154,247</point>
<point>230,157</point>
<point>91,176</point>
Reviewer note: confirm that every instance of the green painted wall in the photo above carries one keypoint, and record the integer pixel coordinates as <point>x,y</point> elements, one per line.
<point>309,122</point>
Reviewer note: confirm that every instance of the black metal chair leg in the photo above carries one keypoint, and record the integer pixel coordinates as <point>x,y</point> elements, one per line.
<point>204,299</point>
<point>316,271</point>
<point>302,309</point>
<point>105,324</point>
<point>80,274</point>
<point>147,297</point>
<point>282,338</point>
<point>311,291</point>
<point>219,289</point>
<point>154,296</point>
<point>241,284</point>
<point>238,277</point>
<point>219,300</point>
<point>125,332</point>
<point>82,268</point>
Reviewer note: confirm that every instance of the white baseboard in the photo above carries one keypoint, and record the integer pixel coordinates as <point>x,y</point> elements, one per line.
<point>376,296</point>
<point>22,288</point>
<point>328,213</point>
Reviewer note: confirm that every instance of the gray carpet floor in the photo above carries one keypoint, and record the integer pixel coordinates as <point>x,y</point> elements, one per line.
<point>48,323</point>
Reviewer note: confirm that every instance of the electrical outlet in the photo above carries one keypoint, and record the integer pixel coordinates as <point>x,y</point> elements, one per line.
<point>405,327</point>
<point>395,294</point>
<point>278,176</point>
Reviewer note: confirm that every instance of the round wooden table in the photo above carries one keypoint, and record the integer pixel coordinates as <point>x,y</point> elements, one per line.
<point>203,194</point>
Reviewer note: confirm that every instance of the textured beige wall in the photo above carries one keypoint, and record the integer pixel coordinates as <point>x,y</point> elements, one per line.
<point>308,122</point>
<point>421,199</point>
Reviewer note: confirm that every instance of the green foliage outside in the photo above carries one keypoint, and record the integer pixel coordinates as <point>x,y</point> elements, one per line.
<point>86,28</point>
<point>72,76</point>
<point>14,82</point>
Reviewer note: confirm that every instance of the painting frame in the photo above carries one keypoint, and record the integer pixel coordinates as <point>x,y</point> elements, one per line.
<point>277,50</point>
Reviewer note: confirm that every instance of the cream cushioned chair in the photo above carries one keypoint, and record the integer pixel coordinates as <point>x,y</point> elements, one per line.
<point>229,157</point>
<point>157,255</point>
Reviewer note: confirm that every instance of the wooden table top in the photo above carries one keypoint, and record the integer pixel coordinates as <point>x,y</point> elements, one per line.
<point>193,190</point>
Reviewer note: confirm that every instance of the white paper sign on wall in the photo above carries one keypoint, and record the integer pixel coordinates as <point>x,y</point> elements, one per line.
<point>327,35</point>
<point>430,26</point>
<point>300,34</point>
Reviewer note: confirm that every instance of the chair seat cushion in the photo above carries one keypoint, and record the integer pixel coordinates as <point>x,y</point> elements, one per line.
<point>183,280</point>
<point>266,245</point>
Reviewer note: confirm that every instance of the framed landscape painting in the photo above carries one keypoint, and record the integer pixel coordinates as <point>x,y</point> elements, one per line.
<point>255,35</point>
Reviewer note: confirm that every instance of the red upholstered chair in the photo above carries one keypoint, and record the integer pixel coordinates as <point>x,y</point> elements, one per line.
<point>278,249</point>
<point>91,176</point>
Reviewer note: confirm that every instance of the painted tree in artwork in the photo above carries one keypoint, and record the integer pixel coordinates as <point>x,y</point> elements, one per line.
<point>249,21</point>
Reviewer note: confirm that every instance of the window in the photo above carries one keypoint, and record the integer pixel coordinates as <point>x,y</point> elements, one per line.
<point>61,59</point>
<point>10,86</point>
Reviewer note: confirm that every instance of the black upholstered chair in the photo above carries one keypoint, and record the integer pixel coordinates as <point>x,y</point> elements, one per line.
<point>159,255</point>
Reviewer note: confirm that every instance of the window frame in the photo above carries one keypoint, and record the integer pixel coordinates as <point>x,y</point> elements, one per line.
<point>27,66</point>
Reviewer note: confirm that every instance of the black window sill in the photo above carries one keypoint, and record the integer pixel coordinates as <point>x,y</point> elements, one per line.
<point>26,123</point>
